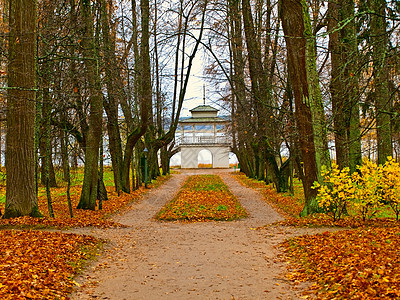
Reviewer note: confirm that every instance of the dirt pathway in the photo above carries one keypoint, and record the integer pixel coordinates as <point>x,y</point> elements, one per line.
<point>213,260</point>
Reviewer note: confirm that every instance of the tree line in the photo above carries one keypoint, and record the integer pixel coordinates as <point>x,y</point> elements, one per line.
<point>305,82</point>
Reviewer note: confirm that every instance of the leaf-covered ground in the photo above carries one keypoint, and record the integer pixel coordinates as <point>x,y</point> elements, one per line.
<point>82,218</point>
<point>203,198</point>
<point>358,263</point>
<point>41,265</point>
<point>349,264</point>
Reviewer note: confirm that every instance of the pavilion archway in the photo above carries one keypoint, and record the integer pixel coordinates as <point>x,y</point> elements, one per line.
<point>205,159</point>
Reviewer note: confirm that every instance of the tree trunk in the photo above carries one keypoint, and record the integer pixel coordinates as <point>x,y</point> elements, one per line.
<point>115,94</point>
<point>380,72</point>
<point>43,156</point>
<point>336,87</point>
<point>47,160</point>
<point>48,175</point>
<point>313,95</point>
<point>164,155</point>
<point>90,180</point>
<point>67,175</point>
<point>260,90</point>
<point>145,95</point>
<point>292,15</point>
<point>64,154</point>
<point>101,188</point>
<point>239,103</point>
<point>343,87</point>
<point>21,197</point>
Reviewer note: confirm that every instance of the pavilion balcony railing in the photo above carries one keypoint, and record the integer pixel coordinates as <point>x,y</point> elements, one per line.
<point>202,140</point>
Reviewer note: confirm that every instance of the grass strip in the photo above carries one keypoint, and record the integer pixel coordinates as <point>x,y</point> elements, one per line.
<point>203,198</point>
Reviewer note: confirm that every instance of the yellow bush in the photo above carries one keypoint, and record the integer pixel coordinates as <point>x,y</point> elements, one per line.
<point>365,191</point>
<point>367,198</point>
<point>390,184</point>
<point>336,191</point>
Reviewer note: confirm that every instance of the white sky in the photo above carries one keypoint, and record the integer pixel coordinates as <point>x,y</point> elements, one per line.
<point>194,93</point>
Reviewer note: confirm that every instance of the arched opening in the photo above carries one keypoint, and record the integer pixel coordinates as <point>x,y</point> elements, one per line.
<point>176,160</point>
<point>233,160</point>
<point>205,159</point>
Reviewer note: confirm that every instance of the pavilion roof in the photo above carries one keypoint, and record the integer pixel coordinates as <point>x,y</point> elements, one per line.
<point>203,120</point>
<point>202,108</point>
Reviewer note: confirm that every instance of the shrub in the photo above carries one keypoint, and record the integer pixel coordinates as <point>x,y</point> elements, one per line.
<point>365,191</point>
<point>367,199</point>
<point>390,185</point>
<point>336,191</point>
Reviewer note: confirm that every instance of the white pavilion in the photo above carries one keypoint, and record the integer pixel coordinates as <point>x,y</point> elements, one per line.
<point>204,130</point>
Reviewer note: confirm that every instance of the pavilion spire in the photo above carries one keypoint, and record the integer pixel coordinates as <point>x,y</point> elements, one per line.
<point>204,94</point>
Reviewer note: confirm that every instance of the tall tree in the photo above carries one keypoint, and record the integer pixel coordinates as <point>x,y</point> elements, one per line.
<point>144,92</point>
<point>90,180</point>
<point>343,84</point>
<point>240,107</point>
<point>313,95</point>
<point>115,94</point>
<point>21,197</point>
<point>295,22</point>
<point>381,93</point>
<point>260,88</point>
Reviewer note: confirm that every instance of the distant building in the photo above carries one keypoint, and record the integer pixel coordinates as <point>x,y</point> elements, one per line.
<point>204,130</point>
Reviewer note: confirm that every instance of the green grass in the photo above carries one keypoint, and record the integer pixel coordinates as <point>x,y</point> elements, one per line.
<point>207,183</point>
<point>76,180</point>
<point>76,176</point>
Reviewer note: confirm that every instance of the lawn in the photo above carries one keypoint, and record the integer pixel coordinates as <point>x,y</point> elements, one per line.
<point>82,218</point>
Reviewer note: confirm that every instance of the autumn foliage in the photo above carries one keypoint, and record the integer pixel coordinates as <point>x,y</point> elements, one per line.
<point>361,263</point>
<point>82,218</point>
<point>40,265</point>
<point>362,193</point>
<point>350,264</point>
<point>203,198</point>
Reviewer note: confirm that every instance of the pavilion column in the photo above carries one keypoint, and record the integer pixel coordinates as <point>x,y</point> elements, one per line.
<point>215,132</point>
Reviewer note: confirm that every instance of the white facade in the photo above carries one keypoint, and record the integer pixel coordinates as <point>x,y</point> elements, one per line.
<point>204,130</point>
<point>190,156</point>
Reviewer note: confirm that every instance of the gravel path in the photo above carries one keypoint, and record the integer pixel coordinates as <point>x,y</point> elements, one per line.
<point>212,260</point>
